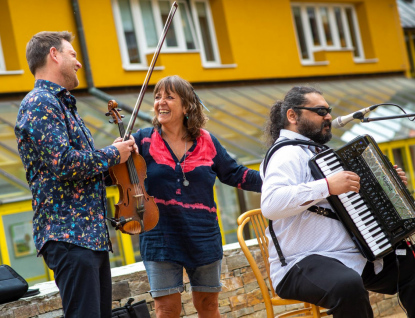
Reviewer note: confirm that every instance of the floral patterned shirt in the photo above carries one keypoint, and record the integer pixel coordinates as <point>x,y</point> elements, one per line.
<point>63,169</point>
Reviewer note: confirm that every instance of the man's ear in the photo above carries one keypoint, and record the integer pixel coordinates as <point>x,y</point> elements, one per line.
<point>53,54</point>
<point>292,116</point>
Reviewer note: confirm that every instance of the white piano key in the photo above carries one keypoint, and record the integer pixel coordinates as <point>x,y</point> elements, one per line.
<point>352,209</point>
<point>377,248</point>
<point>343,195</point>
<point>376,237</point>
<point>378,251</point>
<point>350,198</point>
<point>362,222</point>
<point>321,159</point>
<point>366,230</point>
<point>334,171</point>
<point>328,162</point>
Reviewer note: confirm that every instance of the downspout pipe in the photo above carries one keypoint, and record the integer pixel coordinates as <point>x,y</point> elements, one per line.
<point>87,67</point>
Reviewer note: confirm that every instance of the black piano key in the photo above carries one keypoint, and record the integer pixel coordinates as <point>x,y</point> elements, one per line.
<point>351,194</point>
<point>329,157</point>
<point>367,223</point>
<point>373,228</point>
<point>336,166</point>
<point>366,217</point>
<point>383,245</point>
<point>357,200</point>
<point>359,206</point>
<point>363,212</point>
<point>377,233</point>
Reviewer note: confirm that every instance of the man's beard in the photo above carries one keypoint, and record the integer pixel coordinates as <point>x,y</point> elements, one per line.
<point>314,132</point>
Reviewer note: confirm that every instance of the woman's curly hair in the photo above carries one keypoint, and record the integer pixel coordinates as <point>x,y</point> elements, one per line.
<point>195,119</point>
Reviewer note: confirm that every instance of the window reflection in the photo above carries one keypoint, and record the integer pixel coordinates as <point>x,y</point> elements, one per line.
<point>204,29</point>
<point>313,26</point>
<point>300,33</point>
<point>129,31</point>
<point>340,27</point>
<point>326,25</point>
<point>187,26</point>
<point>149,24</point>
<point>352,31</point>
<point>171,39</point>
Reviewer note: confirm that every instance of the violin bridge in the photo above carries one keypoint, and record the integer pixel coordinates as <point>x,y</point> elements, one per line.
<point>138,195</point>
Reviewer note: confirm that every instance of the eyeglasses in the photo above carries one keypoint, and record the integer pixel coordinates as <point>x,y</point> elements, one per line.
<point>321,111</point>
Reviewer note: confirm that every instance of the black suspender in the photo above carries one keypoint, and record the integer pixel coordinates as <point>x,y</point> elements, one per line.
<point>319,210</point>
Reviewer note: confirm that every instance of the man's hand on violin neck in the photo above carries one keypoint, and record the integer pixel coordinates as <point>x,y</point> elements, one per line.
<point>125,147</point>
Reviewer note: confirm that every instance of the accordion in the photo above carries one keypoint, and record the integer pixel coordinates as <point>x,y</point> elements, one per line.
<point>383,212</point>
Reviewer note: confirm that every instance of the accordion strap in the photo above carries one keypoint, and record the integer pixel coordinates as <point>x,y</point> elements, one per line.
<point>314,208</point>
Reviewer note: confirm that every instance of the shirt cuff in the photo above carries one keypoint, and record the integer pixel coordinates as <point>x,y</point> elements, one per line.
<point>321,189</point>
<point>112,154</point>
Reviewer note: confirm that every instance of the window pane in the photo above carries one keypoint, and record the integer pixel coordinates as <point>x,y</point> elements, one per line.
<point>339,22</point>
<point>204,29</point>
<point>352,30</point>
<point>313,25</point>
<point>326,25</point>
<point>229,210</point>
<point>116,258</point>
<point>129,31</point>
<point>300,33</point>
<point>171,40</point>
<point>187,27</point>
<point>148,22</point>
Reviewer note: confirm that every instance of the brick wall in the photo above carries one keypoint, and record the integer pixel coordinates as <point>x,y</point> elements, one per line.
<point>240,296</point>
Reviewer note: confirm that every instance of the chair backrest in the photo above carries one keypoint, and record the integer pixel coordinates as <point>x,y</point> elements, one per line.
<point>259,224</point>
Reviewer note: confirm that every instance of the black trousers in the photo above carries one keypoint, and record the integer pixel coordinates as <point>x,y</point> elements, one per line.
<point>83,277</point>
<point>328,283</point>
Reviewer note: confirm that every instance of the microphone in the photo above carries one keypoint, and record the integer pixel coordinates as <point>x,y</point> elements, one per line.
<point>343,120</point>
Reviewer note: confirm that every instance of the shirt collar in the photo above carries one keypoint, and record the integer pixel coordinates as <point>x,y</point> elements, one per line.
<point>57,90</point>
<point>292,134</point>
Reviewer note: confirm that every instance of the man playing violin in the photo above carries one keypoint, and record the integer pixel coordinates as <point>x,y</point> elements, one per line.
<point>65,174</point>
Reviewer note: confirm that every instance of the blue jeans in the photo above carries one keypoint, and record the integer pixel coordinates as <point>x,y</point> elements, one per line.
<point>167,278</point>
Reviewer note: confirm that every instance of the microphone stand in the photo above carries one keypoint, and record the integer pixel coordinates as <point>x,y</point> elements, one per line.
<point>366,120</point>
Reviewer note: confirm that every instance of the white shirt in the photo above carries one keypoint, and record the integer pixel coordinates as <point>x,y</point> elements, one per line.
<point>287,185</point>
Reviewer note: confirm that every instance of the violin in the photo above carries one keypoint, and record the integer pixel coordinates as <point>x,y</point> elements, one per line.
<point>136,211</point>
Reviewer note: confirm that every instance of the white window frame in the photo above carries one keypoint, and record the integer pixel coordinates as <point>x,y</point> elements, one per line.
<point>145,49</point>
<point>2,62</point>
<point>212,32</point>
<point>311,48</point>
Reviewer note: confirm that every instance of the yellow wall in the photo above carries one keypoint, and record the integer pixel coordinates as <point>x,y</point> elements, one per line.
<point>258,36</point>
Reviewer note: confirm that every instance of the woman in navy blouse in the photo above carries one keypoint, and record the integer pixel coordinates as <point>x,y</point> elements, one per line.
<point>183,161</point>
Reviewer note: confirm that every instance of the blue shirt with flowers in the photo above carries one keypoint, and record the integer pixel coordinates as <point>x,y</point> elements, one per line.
<point>63,169</point>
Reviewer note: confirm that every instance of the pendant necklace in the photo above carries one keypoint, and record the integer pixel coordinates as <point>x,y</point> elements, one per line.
<point>185,181</point>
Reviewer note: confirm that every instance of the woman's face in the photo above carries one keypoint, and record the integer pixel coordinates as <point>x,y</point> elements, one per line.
<point>168,108</point>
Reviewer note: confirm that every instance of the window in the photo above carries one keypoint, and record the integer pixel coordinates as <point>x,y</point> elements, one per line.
<point>322,27</point>
<point>140,23</point>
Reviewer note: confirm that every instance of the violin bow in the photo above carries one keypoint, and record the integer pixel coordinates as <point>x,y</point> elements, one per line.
<point>150,71</point>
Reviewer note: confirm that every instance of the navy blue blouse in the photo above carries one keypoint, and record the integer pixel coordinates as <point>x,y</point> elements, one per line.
<point>188,231</point>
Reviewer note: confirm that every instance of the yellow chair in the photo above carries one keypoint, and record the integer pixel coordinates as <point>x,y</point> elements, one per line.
<point>259,223</point>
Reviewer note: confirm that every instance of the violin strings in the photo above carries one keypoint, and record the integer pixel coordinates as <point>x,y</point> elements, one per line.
<point>132,172</point>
